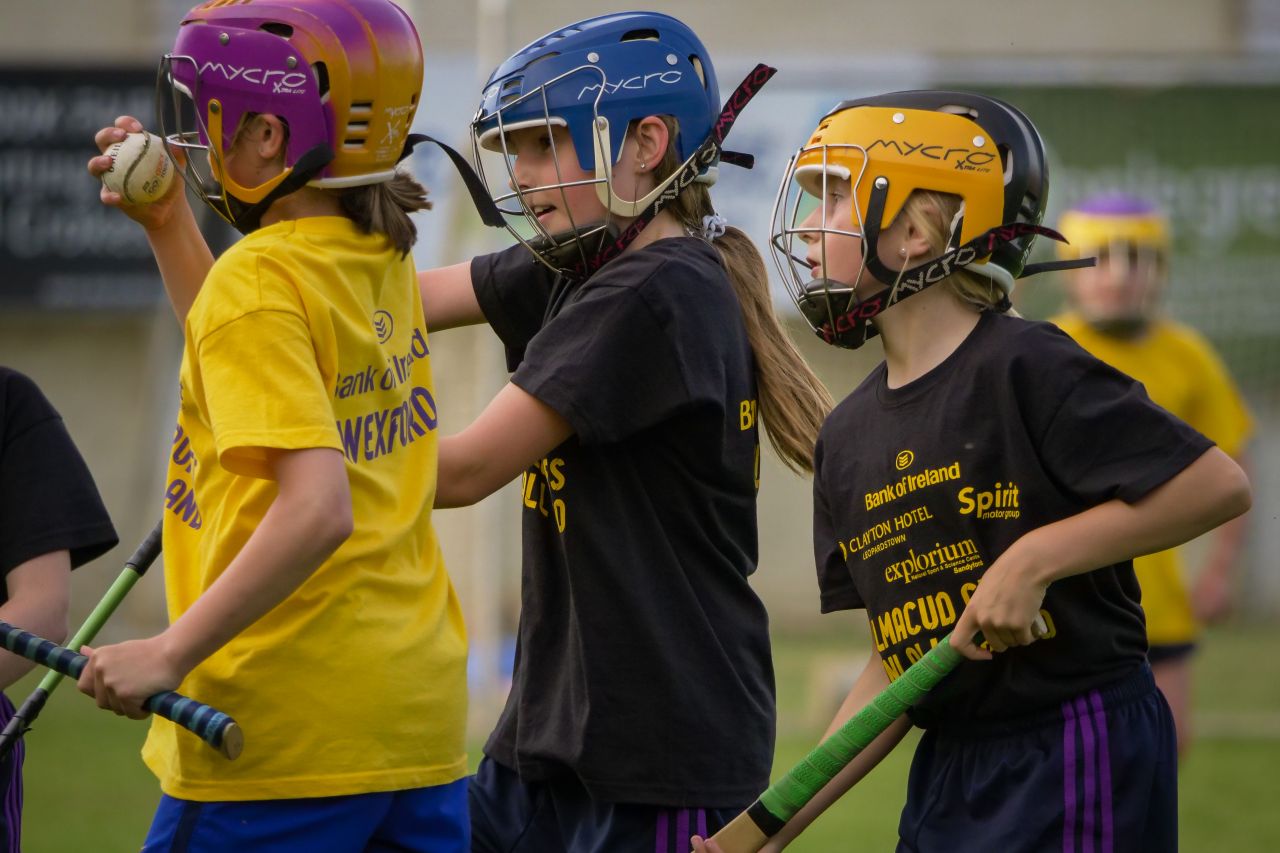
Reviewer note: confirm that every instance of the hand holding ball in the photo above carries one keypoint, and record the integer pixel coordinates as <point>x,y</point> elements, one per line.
<point>141,170</point>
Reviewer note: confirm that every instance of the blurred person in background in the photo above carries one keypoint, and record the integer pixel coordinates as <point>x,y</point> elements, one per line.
<point>1114,310</point>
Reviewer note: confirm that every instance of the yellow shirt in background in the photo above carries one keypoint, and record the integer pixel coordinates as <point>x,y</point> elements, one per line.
<point>310,334</point>
<point>1183,374</point>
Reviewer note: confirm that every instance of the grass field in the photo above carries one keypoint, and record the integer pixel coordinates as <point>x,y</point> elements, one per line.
<point>86,789</point>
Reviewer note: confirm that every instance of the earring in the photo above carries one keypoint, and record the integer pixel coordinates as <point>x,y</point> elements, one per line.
<point>903,251</point>
<point>642,167</point>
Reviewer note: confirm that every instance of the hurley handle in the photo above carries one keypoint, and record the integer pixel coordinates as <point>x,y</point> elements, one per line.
<point>212,726</point>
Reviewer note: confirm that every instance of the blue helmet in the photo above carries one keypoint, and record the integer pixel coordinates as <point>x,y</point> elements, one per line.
<point>620,68</point>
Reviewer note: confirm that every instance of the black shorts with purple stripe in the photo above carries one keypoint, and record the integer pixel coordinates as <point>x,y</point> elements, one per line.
<point>10,787</point>
<point>509,815</point>
<point>1096,775</point>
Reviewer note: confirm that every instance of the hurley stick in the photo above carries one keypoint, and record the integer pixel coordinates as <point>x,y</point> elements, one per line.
<point>134,568</point>
<point>214,727</point>
<point>766,817</point>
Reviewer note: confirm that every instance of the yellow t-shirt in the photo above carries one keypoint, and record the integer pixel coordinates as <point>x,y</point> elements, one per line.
<point>1182,374</point>
<point>310,334</point>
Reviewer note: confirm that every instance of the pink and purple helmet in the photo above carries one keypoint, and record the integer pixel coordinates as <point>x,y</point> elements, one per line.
<point>343,75</point>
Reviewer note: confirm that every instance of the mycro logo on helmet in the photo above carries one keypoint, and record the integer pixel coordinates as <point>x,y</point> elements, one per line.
<point>288,82</point>
<point>640,81</point>
<point>965,159</point>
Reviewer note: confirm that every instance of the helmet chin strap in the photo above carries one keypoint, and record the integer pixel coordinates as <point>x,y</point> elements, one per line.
<point>629,209</point>
<point>850,325</point>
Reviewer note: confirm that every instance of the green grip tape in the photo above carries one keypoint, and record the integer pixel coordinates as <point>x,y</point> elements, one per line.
<point>789,794</point>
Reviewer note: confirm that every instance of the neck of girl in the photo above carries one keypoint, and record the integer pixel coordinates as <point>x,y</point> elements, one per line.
<point>305,202</point>
<point>664,225</point>
<point>921,332</point>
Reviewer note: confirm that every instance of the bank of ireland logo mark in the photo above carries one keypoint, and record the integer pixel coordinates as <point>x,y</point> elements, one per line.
<point>383,325</point>
<point>904,459</point>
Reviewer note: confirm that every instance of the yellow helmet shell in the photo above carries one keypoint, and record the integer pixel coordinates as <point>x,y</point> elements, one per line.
<point>914,150</point>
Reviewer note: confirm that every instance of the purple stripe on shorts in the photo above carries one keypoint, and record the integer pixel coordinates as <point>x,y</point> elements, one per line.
<point>1068,779</point>
<point>682,831</point>
<point>1090,774</point>
<point>13,799</point>
<point>660,835</point>
<point>702,823</point>
<point>1104,770</point>
<point>13,785</point>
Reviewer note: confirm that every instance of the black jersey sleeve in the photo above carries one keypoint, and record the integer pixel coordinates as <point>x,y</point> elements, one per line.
<point>512,289</point>
<point>48,500</point>
<point>1102,436</point>
<point>836,589</point>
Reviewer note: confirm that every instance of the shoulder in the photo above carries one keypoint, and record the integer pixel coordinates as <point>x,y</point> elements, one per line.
<point>259,272</point>
<point>861,400</point>
<point>667,269</point>
<point>22,403</point>
<point>1178,337</point>
<point>1019,343</point>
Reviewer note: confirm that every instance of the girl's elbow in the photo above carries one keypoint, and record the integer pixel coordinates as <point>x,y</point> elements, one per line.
<point>1235,496</point>
<point>343,524</point>
<point>1241,499</point>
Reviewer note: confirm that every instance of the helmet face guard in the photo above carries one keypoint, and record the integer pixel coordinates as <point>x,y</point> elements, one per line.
<point>592,80</point>
<point>343,76</point>
<point>887,147</point>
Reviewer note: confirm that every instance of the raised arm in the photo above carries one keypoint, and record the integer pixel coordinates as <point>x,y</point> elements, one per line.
<point>181,253</point>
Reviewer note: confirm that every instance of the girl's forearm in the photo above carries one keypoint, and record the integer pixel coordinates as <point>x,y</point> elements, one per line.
<point>183,257</point>
<point>1207,493</point>
<point>301,529</point>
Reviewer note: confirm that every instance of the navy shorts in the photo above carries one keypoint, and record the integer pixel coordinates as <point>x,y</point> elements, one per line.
<point>417,820</point>
<point>10,787</point>
<point>1097,775</point>
<point>511,816</point>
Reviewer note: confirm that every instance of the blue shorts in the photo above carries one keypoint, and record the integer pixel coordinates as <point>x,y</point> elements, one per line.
<point>511,816</point>
<point>419,820</point>
<point>1097,775</point>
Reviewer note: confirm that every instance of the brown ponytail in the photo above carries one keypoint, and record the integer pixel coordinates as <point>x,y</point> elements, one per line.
<point>384,208</point>
<point>793,402</point>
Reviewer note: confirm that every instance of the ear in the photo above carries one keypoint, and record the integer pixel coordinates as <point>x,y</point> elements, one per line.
<point>916,244</point>
<point>652,139</point>
<point>270,137</point>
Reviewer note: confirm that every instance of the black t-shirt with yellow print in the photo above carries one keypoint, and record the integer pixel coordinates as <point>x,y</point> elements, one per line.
<point>642,663</point>
<point>919,489</point>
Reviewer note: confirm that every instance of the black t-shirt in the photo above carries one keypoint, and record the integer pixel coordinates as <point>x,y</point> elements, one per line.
<point>642,662</point>
<point>918,489</point>
<point>48,501</point>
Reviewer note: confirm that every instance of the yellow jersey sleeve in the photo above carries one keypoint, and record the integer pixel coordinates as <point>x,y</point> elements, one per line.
<point>264,390</point>
<point>1218,410</point>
